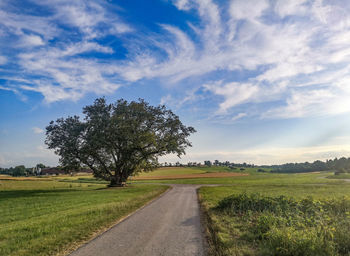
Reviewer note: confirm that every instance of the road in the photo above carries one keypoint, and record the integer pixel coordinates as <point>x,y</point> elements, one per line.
<point>170,225</point>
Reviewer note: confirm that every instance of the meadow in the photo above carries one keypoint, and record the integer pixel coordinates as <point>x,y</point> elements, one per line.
<point>251,213</point>
<point>265,213</point>
<point>287,214</point>
<point>48,217</point>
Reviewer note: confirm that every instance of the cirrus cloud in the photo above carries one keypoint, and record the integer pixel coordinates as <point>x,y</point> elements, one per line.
<point>285,54</point>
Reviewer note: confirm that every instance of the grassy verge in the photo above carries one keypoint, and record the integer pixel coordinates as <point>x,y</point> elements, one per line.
<point>277,219</point>
<point>50,217</point>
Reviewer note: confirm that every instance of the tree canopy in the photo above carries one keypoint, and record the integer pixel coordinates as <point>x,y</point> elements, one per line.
<point>117,140</point>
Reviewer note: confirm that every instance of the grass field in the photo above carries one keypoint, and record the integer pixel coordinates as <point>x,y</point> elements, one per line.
<point>274,214</point>
<point>170,174</point>
<point>255,178</point>
<point>283,214</point>
<point>52,215</point>
<point>48,217</point>
<point>340,176</point>
<point>188,173</point>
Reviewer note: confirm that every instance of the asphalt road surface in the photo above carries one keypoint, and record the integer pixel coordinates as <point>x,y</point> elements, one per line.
<point>168,226</point>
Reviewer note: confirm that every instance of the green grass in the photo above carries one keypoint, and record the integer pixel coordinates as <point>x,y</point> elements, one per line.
<point>339,176</point>
<point>50,217</point>
<point>172,171</point>
<point>166,171</point>
<point>256,179</point>
<point>289,232</point>
<point>85,180</point>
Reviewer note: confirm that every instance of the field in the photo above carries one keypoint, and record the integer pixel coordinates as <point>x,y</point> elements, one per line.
<point>48,217</point>
<point>273,214</point>
<point>171,173</point>
<point>247,213</point>
<point>294,214</point>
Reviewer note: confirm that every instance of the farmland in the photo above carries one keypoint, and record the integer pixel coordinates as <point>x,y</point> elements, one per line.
<point>188,173</point>
<point>247,213</point>
<point>272,214</point>
<point>294,214</point>
<point>48,217</point>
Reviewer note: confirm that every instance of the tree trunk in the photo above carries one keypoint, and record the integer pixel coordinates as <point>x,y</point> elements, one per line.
<point>117,181</point>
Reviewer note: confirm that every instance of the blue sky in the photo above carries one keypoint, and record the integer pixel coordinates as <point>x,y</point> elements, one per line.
<point>262,81</point>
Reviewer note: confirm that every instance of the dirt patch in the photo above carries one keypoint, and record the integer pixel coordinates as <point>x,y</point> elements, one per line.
<point>193,176</point>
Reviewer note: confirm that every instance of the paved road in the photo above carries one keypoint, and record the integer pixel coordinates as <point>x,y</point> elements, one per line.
<point>168,226</point>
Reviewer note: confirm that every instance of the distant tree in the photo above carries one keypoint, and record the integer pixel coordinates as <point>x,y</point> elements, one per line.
<point>19,170</point>
<point>41,166</point>
<point>208,163</point>
<point>118,140</point>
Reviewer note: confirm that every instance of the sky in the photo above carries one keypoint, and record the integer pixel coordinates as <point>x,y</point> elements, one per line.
<point>262,81</point>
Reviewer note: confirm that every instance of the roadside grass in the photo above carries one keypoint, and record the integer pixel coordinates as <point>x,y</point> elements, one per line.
<point>299,216</point>
<point>51,217</point>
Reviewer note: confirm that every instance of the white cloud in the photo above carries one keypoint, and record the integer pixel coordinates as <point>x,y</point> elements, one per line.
<point>37,130</point>
<point>3,60</point>
<point>121,28</point>
<point>29,157</point>
<point>238,116</point>
<point>182,4</point>
<point>32,40</point>
<point>16,24</point>
<point>60,70</point>
<point>3,161</point>
<point>248,9</point>
<point>234,94</point>
<point>267,155</point>
<point>290,7</point>
<point>281,55</point>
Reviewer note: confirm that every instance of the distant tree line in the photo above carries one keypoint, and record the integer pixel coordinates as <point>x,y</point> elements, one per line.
<point>338,165</point>
<point>208,163</point>
<point>341,165</point>
<point>21,170</point>
<point>227,164</point>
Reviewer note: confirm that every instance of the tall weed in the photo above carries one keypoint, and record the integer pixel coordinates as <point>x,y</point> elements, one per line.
<point>286,226</point>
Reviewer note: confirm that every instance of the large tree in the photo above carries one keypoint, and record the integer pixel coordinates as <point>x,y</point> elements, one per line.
<point>118,140</point>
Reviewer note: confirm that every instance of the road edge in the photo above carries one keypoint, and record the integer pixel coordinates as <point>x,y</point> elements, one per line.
<point>100,232</point>
<point>211,245</point>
